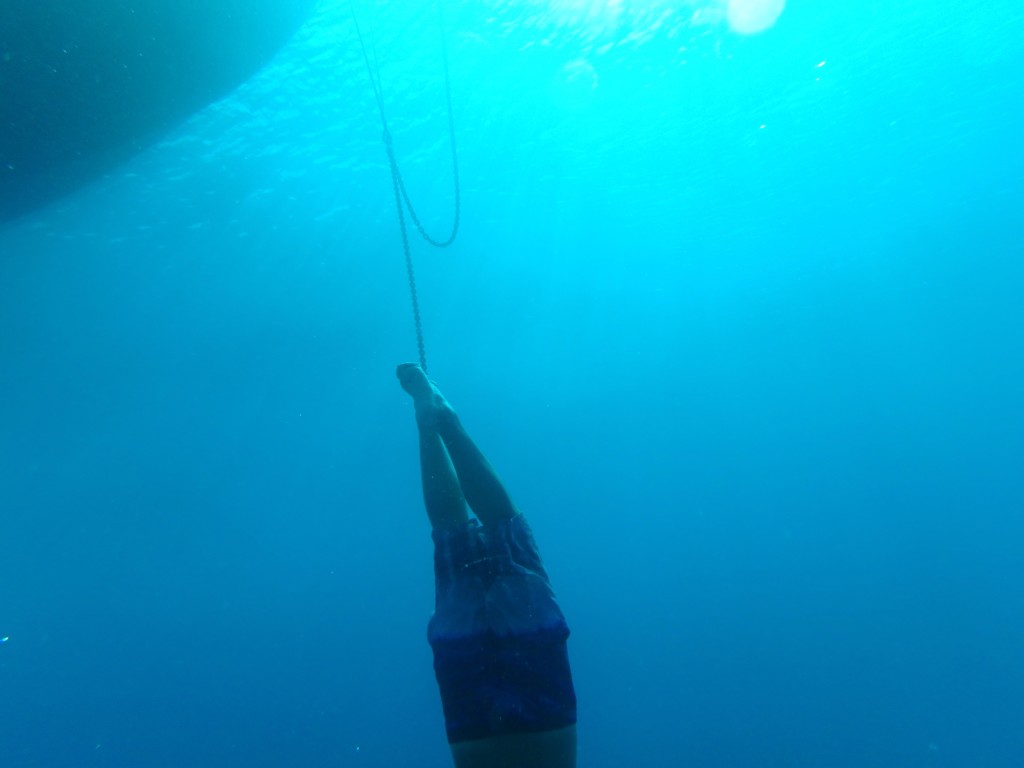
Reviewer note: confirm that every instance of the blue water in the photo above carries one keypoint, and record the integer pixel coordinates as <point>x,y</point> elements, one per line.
<point>738,319</point>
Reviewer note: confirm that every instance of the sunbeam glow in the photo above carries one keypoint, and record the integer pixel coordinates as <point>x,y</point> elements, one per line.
<point>602,17</point>
<point>748,17</point>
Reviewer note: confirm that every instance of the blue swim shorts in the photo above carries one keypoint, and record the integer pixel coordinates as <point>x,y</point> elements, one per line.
<point>497,634</point>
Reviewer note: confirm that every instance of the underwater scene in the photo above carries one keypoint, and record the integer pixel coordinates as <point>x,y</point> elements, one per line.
<point>728,293</point>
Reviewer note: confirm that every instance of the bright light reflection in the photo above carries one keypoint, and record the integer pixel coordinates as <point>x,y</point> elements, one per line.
<point>748,17</point>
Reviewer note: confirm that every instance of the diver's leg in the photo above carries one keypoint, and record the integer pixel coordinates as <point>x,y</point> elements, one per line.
<point>480,484</point>
<point>442,494</point>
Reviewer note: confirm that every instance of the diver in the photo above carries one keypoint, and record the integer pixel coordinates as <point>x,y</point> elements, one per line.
<point>497,634</point>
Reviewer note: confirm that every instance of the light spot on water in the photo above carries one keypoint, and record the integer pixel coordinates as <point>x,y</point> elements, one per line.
<point>748,17</point>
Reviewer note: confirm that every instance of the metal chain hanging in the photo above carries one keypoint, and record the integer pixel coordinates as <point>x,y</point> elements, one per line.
<point>402,200</point>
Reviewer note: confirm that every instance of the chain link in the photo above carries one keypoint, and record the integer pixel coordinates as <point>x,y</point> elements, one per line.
<point>396,182</point>
<point>401,195</point>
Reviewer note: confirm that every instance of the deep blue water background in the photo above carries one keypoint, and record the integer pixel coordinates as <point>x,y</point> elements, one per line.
<point>738,319</point>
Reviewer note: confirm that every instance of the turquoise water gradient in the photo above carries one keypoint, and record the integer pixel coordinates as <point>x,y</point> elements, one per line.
<point>737,317</point>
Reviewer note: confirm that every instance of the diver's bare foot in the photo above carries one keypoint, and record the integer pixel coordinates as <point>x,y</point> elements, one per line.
<point>426,397</point>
